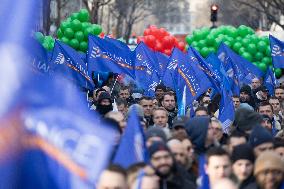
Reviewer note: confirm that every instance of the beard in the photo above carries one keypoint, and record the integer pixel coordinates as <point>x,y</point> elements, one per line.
<point>164,171</point>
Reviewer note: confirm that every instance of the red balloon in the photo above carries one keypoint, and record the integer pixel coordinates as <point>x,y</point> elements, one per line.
<point>147,32</point>
<point>102,35</point>
<point>150,40</point>
<point>168,41</point>
<point>152,27</point>
<point>159,46</point>
<point>167,52</point>
<point>163,32</point>
<point>140,39</point>
<point>181,45</point>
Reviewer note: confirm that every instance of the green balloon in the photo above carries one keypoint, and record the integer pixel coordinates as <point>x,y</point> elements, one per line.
<point>262,67</point>
<point>69,33</point>
<point>239,39</point>
<point>211,49</point>
<point>201,44</point>
<point>251,48</point>
<point>204,52</point>
<point>232,32</point>
<point>255,63</point>
<point>266,60</point>
<point>268,51</point>
<point>261,46</point>
<point>197,48</point>
<point>97,29</point>
<point>88,31</point>
<point>65,40</point>
<point>84,15</point>
<point>79,35</point>
<point>75,16</point>
<point>242,31</point>
<point>74,43</point>
<point>85,25</point>
<point>76,25</point>
<point>210,40</point>
<point>245,42</point>
<point>83,46</point>
<point>188,39</point>
<point>247,56</point>
<point>258,56</point>
<point>266,40</point>
<point>237,46</point>
<point>254,39</point>
<point>197,35</point>
<point>278,72</point>
<point>194,44</point>
<point>39,37</point>
<point>64,25</point>
<point>218,41</point>
<point>59,33</point>
<point>45,45</point>
<point>228,43</point>
<point>242,50</point>
<point>48,39</point>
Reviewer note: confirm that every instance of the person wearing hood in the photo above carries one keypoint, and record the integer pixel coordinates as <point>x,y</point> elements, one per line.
<point>172,176</point>
<point>200,131</point>
<point>242,163</point>
<point>104,104</point>
<point>246,96</point>
<point>262,94</point>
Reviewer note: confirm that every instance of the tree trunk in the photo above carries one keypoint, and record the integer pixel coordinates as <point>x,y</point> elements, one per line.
<point>58,10</point>
<point>46,16</point>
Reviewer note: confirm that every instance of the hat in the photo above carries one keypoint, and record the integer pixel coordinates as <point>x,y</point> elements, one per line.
<point>266,118</point>
<point>155,132</point>
<point>242,151</point>
<point>268,161</point>
<point>179,121</point>
<point>263,89</point>
<point>246,106</point>
<point>259,135</point>
<point>246,89</point>
<point>139,110</point>
<point>161,86</point>
<point>104,95</point>
<point>158,146</point>
<point>246,119</point>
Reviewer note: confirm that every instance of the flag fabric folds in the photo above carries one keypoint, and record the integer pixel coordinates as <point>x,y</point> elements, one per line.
<point>270,81</point>
<point>277,52</point>
<point>132,148</point>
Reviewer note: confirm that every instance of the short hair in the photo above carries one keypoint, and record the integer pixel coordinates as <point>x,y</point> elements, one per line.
<point>236,96</point>
<point>237,134</point>
<point>162,109</point>
<point>274,98</point>
<point>265,103</point>
<point>201,108</point>
<point>279,87</point>
<point>96,92</point>
<point>117,169</point>
<point>145,98</point>
<point>216,151</point>
<point>123,88</point>
<point>121,101</point>
<point>168,93</point>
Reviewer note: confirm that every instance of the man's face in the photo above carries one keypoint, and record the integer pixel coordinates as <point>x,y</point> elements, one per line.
<point>111,180</point>
<point>266,124</point>
<point>235,141</point>
<point>266,110</point>
<point>280,151</point>
<point>159,93</point>
<point>218,167</point>
<point>169,102</point>
<point>122,108</point>
<point>179,153</point>
<point>268,146</point>
<point>201,113</point>
<point>275,104</point>
<point>217,130</point>
<point>242,169</point>
<point>162,162</point>
<point>210,135</point>
<point>255,83</point>
<point>189,151</point>
<point>124,94</point>
<point>279,93</point>
<point>160,118</point>
<point>269,179</point>
<point>179,132</point>
<point>105,102</point>
<point>244,97</point>
<point>236,102</point>
<point>147,106</point>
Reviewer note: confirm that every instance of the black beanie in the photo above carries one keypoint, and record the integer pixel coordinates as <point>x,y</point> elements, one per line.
<point>246,119</point>
<point>246,89</point>
<point>242,151</point>
<point>158,146</point>
<point>259,135</point>
<point>155,132</point>
<point>104,95</point>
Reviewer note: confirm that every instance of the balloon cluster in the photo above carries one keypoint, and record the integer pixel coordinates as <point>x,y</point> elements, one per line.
<point>46,41</point>
<point>74,30</point>
<point>158,39</point>
<point>242,40</point>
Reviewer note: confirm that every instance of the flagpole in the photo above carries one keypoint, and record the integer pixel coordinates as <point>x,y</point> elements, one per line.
<point>116,78</point>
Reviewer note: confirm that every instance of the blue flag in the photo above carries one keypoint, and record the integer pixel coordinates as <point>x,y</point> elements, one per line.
<point>67,62</point>
<point>162,63</point>
<point>277,52</point>
<point>104,55</point>
<point>226,111</point>
<point>270,81</point>
<point>231,69</point>
<point>132,148</point>
<point>205,183</point>
<point>212,75</point>
<point>171,71</point>
<point>145,73</point>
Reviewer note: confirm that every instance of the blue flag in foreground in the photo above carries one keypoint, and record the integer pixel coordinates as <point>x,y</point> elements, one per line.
<point>145,73</point>
<point>270,81</point>
<point>69,63</point>
<point>226,111</point>
<point>132,148</point>
<point>106,56</point>
<point>277,52</point>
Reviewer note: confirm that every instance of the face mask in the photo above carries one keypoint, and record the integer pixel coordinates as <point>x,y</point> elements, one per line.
<point>103,109</point>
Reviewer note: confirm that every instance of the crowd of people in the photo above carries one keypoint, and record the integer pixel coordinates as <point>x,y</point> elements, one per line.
<point>181,148</point>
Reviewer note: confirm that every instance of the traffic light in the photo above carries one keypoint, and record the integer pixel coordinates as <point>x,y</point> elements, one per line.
<point>214,13</point>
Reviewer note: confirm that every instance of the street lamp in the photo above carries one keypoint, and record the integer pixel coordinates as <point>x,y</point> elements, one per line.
<point>214,14</point>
